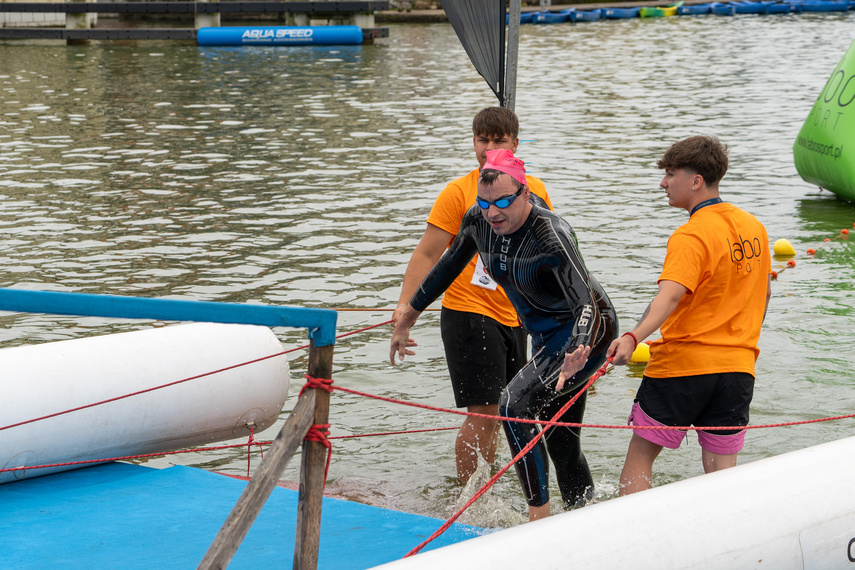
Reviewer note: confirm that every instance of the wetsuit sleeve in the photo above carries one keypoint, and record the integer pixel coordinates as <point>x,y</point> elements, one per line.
<point>572,276</point>
<point>449,266</point>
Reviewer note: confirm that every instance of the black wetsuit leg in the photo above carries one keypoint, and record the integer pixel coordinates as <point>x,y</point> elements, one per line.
<point>531,394</point>
<point>564,445</point>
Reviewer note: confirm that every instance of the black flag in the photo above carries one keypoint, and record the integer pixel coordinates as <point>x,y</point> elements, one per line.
<point>480,25</point>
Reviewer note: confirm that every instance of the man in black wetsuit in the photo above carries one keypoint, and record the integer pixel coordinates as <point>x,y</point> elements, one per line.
<point>532,253</point>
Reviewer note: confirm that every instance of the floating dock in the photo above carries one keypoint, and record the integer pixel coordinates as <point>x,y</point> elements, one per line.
<point>131,516</point>
<point>78,18</point>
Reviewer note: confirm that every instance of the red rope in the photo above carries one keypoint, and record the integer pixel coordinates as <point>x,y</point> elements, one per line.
<point>363,329</point>
<point>325,384</point>
<point>125,457</point>
<point>554,424</point>
<point>518,456</point>
<point>249,448</point>
<point>393,432</point>
<point>249,444</point>
<point>319,433</point>
<point>343,335</point>
<point>843,236</point>
<point>183,380</point>
<point>423,406</point>
<point>712,428</point>
<point>580,425</point>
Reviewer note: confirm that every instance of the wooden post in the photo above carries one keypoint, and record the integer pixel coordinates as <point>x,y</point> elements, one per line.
<point>512,55</point>
<point>262,483</point>
<point>312,469</point>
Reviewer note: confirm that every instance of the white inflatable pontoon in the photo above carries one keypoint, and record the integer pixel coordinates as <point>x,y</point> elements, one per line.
<point>792,511</point>
<point>44,379</point>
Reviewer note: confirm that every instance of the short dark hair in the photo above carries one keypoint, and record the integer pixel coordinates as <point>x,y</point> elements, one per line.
<point>704,155</point>
<point>489,176</point>
<point>496,122</point>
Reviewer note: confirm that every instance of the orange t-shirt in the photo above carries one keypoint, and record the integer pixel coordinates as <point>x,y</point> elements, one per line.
<point>446,214</point>
<point>722,257</point>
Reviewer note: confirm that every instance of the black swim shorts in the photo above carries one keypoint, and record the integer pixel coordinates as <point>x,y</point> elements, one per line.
<point>483,355</point>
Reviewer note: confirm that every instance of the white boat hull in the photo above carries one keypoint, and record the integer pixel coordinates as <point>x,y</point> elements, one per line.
<point>795,510</point>
<point>44,379</point>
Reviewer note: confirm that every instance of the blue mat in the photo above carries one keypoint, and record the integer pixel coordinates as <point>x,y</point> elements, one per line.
<point>129,516</point>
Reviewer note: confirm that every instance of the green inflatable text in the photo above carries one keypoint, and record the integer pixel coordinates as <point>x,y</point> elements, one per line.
<point>824,151</point>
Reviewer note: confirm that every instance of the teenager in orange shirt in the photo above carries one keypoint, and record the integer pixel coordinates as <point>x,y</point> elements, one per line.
<point>484,343</point>
<point>713,292</point>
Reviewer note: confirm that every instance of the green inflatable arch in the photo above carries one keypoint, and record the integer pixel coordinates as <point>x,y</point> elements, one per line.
<point>824,151</point>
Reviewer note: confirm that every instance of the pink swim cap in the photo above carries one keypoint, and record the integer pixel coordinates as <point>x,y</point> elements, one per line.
<point>504,160</point>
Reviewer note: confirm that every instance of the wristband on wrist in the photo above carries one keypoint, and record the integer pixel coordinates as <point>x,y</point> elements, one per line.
<point>634,338</point>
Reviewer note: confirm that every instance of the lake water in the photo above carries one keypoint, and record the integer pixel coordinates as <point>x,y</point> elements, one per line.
<point>304,176</point>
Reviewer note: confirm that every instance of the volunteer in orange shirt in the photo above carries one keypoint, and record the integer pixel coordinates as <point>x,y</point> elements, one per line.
<point>484,343</point>
<point>713,292</point>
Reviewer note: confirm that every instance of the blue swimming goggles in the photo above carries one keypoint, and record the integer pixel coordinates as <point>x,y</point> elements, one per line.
<point>501,203</point>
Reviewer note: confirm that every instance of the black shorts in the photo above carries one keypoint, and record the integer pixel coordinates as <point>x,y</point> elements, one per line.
<point>483,355</point>
<point>712,400</point>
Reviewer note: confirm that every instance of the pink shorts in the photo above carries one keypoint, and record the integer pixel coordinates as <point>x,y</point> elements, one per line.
<point>672,438</point>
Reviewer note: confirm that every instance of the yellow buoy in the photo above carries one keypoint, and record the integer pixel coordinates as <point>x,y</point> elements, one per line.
<point>641,353</point>
<point>783,247</point>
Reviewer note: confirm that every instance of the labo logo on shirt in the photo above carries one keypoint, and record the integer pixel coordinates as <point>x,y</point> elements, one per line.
<point>743,251</point>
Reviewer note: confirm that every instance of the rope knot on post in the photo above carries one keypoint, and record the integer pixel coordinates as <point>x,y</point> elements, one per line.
<point>320,434</point>
<point>324,384</point>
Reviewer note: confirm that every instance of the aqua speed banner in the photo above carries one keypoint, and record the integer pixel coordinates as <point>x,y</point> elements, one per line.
<point>279,36</point>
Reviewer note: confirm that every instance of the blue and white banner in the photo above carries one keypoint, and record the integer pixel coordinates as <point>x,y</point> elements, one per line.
<point>279,35</point>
